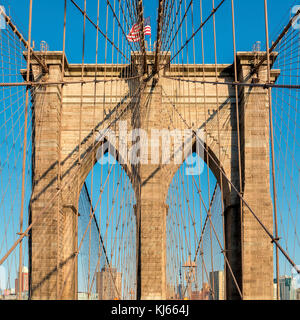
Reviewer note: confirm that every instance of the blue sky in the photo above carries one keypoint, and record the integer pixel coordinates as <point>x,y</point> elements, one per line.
<point>48,23</point>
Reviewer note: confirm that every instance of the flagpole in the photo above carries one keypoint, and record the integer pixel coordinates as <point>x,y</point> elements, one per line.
<point>150,33</point>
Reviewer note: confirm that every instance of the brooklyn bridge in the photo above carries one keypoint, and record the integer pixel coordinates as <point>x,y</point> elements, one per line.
<point>149,151</point>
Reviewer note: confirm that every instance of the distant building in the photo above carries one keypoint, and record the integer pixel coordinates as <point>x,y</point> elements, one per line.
<point>109,284</point>
<point>10,297</point>
<point>298,294</point>
<point>82,296</point>
<point>9,294</point>
<point>197,295</point>
<point>205,292</point>
<point>6,292</point>
<point>171,294</point>
<point>274,290</point>
<point>85,296</point>
<point>24,281</point>
<point>216,279</point>
<point>285,289</point>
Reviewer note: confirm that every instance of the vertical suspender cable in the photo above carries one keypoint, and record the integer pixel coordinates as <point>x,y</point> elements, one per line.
<point>272,144</point>
<point>158,34</point>
<point>142,35</point>
<point>20,282</point>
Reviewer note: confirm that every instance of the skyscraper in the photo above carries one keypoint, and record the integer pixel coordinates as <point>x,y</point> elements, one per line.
<point>285,290</point>
<point>24,281</point>
<point>109,284</point>
<point>217,282</point>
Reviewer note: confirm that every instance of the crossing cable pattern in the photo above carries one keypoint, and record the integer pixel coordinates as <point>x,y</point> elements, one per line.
<point>107,225</point>
<point>118,253</point>
<point>290,86</point>
<point>285,132</point>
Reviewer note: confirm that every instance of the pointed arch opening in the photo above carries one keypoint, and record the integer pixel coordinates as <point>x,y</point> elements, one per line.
<point>106,230</point>
<point>195,233</point>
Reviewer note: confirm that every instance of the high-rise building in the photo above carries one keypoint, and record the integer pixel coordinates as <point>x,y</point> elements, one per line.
<point>109,284</point>
<point>216,279</point>
<point>274,290</point>
<point>24,281</point>
<point>285,289</point>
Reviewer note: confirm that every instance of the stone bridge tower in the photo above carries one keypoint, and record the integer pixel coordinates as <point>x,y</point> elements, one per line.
<point>63,117</point>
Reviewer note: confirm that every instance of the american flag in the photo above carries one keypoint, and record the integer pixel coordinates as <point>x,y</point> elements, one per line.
<point>134,34</point>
